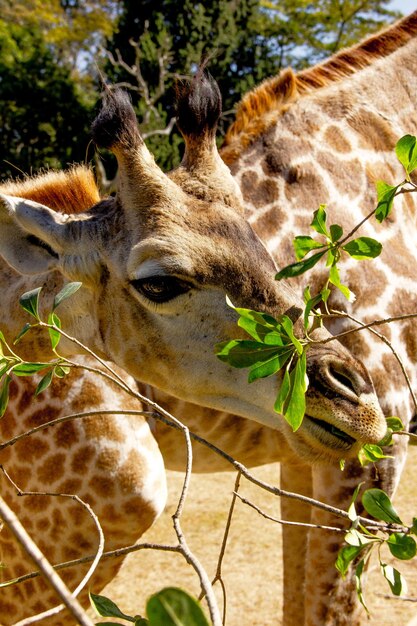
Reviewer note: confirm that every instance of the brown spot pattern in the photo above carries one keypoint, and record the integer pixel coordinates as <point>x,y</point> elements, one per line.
<point>259,193</point>
<point>375,132</point>
<point>336,139</point>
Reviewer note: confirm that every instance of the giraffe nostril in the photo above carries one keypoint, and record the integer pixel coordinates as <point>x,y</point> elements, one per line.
<point>342,378</point>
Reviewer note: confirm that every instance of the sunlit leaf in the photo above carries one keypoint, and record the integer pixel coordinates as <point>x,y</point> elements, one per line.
<point>334,278</point>
<point>296,269</point>
<point>60,371</point>
<point>386,194</point>
<point>29,301</point>
<point>372,453</point>
<point>107,608</point>
<point>283,393</point>
<point>310,304</point>
<point>4,395</point>
<point>245,353</point>
<point>303,244</point>
<point>28,369</point>
<point>289,329</point>
<point>44,382</point>
<point>296,403</point>
<point>319,221</point>
<point>174,607</point>
<point>402,546</point>
<point>363,248</point>
<point>54,335</point>
<point>22,333</point>
<point>406,151</point>
<point>378,504</point>
<point>270,367</point>
<point>395,580</point>
<point>336,232</point>
<point>394,423</point>
<point>358,583</point>
<point>65,293</point>
<point>346,555</point>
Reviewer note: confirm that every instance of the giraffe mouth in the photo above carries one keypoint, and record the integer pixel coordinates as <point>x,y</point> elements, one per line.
<point>330,434</point>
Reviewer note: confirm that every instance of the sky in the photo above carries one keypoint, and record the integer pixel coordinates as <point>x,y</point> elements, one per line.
<point>405,6</point>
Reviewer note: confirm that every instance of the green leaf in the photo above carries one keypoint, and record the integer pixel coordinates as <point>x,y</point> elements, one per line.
<point>394,578</point>
<point>28,369</point>
<point>44,382</point>
<point>261,332</point>
<point>107,608</point>
<point>296,403</point>
<point>402,546</point>
<point>394,423</point>
<point>4,395</point>
<point>270,367</point>
<point>29,301</point>
<point>378,504</point>
<point>288,326</point>
<point>23,332</point>
<point>141,621</point>
<point>65,293</point>
<point>363,248</point>
<point>54,335</point>
<point>413,528</point>
<point>295,269</point>
<point>386,194</point>
<point>372,453</point>
<point>60,371</point>
<point>334,278</point>
<point>325,293</point>
<point>358,583</point>
<point>336,232</point>
<point>283,393</point>
<point>244,353</point>
<point>4,366</point>
<point>310,304</point>
<point>303,244</point>
<point>356,538</point>
<point>406,151</point>
<point>174,607</point>
<point>319,221</point>
<point>346,555</point>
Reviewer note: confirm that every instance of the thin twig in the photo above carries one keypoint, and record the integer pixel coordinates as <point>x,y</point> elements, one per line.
<point>218,575</point>
<point>45,567</point>
<point>287,522</point>
<point>57,609</point>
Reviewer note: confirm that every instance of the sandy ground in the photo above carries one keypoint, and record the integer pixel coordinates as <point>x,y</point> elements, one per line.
<point>252,566</point>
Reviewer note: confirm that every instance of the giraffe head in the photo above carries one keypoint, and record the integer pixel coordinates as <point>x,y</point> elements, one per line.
<point>156,263</point>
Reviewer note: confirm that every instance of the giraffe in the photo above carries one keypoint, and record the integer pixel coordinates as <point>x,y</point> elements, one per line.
<point>325,135</point>
<point>156,263</point>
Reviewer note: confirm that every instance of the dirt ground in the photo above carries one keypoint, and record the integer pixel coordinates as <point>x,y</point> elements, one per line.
<point>252,566</point>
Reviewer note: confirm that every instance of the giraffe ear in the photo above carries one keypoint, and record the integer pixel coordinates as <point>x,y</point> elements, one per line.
<point>30,235</point>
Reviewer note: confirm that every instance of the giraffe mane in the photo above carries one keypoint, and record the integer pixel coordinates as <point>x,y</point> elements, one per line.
<point>260,108</point>
<point>71,191</point>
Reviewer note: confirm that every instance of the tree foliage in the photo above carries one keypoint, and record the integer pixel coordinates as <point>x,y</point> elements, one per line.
<point>49,50</point>
<point>44,117</point>
<point>247,40</point>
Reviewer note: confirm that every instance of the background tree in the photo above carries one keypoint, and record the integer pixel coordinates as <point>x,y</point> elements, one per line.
<point>49,50</point>
<point>248,40</point>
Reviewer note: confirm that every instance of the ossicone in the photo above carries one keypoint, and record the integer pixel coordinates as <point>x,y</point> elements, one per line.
<point>116,123</point>
<point>198,105</point>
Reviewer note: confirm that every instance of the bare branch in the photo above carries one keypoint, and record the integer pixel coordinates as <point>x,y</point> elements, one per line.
<point>45,567</point>
<point>57,609</point>
<point>163,131</point>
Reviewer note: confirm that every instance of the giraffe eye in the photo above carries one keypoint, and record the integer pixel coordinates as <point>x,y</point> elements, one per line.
<point>161,288</point>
